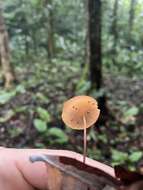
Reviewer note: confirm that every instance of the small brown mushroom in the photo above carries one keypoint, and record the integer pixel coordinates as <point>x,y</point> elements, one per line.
<point>79,113</point>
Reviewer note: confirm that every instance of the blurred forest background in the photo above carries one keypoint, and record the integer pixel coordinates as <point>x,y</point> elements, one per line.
<point>51,50</point>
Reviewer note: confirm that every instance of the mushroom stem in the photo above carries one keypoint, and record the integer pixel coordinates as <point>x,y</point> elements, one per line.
<point>85,140</point>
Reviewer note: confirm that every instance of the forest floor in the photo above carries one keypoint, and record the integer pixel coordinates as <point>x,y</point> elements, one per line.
<point>18,112</point>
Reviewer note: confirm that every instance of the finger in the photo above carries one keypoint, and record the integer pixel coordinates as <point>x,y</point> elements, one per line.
<point>16,168</point>
<point>10,176</point>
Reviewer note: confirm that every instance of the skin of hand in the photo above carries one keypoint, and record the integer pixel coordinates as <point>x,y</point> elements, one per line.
<point>17,172</point>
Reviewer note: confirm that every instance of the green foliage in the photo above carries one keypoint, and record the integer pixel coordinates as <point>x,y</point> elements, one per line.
<point>60,135</point>
<point>56,133</point>
<point>96,154</point>
<point>43,114</point>
<point>29,18</point>
<point>14,132</point>
<point>135,156</point>
<point>40,97</point>
<point>40,125</point>
<point>128,57</point>
<point>45,83</point>
<point>40,145</point>
<point>133,111</point>
<point>6,96</point>
<point>6,117</point>
<point>118,157</point>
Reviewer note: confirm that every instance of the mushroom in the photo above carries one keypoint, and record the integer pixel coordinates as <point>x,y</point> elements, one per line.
<point>80,113</point>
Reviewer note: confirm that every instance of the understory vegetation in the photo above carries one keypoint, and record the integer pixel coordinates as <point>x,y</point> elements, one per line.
<point>49,56</point>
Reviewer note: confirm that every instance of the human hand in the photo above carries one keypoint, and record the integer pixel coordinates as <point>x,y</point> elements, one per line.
<point>17,172</point>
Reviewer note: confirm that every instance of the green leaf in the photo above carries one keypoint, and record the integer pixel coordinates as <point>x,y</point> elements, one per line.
<point>59,134</point>
<point>20,88</point>
<point>6,96</point>
<point>43,114</point>
<point>118,156</point>
<point>132,112</point>
<point>135,156</point>
<point>40,125</point>
<point>9,114</point>
<point>20,109</point>
<point>103,138</point>
<point>41,97</point>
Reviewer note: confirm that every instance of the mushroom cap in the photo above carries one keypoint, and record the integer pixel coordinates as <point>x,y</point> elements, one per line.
<point>78,107</point>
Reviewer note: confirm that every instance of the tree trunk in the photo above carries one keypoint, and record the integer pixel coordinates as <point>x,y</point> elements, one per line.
<point>7,70</point>
<point>94,54</point>
<point>94,42</point>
